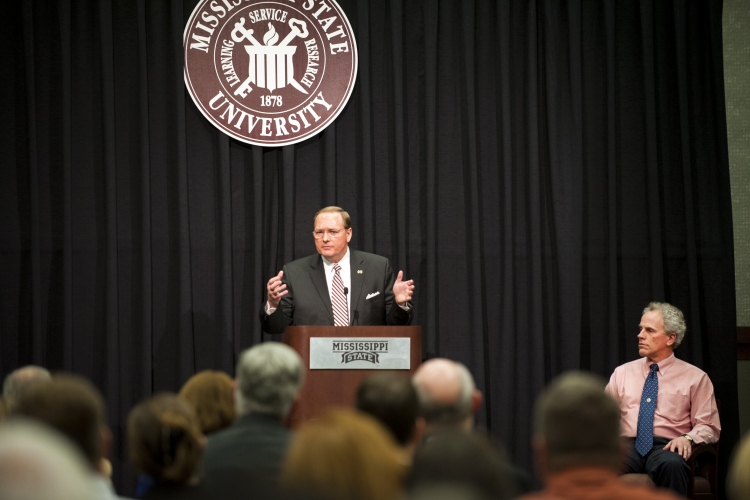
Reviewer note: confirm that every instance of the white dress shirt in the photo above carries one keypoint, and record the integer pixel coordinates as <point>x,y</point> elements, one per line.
<point>346,277</point>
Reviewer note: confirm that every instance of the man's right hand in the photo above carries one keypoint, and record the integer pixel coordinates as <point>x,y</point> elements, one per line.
<point>276,290</point>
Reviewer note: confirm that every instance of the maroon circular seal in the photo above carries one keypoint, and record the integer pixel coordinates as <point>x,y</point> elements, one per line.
<point>269,73</point>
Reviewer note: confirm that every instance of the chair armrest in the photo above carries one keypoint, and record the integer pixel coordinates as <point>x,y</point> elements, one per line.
<point>700,449</point>
<point>704,463</point>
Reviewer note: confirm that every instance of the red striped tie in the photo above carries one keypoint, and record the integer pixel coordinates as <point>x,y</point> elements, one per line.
<point>338,300</point>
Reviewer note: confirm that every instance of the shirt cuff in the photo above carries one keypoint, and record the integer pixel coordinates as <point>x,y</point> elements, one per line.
<point>407,307</point>
<point>270,310</point>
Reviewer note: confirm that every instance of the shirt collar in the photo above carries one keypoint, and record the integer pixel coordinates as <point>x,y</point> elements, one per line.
<point>344,262</point>
<point>664,364</point>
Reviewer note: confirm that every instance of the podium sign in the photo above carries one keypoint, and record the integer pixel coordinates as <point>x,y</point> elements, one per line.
<point>338,358</point>
<point>356,353</point>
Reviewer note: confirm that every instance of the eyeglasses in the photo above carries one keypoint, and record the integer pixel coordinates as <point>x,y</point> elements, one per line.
<point>333,233</point>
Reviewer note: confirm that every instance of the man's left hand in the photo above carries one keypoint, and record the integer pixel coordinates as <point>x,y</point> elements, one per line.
<point>402,290</point>
<point>681,445</point>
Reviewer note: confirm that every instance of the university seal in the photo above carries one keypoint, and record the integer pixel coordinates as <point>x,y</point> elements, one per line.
<point>269,73</point>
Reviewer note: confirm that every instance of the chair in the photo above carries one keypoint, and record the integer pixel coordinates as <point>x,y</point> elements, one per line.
<point>704,464</point>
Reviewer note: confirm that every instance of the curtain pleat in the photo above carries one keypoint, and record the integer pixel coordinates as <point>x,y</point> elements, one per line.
<point>35,261</point>
<point>66,126</point>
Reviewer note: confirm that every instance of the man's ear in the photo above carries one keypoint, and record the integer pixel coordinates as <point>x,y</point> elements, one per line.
<point>476,401</point>
<point>539,445</point>
<point>236,397</point>
<point>287,420</point>
<point>419,426</point>
<point>105,442</point>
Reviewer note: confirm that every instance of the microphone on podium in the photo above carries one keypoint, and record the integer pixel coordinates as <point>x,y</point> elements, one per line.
<point>355,315</point>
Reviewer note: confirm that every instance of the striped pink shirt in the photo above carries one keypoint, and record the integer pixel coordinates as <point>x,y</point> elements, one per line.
<point>685,404</point>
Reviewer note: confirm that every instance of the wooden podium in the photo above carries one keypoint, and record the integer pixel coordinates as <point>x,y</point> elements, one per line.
<point>336,387</point>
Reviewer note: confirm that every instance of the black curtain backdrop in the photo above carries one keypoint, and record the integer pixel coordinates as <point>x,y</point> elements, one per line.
<point>542,169</point>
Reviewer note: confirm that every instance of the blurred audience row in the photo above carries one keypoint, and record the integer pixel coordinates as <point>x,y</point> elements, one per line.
<point>224,438</point>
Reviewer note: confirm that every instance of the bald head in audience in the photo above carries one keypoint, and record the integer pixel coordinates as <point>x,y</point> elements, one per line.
<point>20,381</point>
<point>37,462</point>
<point>447,395</point>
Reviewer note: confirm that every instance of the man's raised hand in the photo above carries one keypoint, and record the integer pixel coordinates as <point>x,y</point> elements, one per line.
<point>276,289</point>
<point>402,290</point>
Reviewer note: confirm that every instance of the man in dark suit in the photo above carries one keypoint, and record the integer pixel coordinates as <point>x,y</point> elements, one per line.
<point>248,455</point>
<point>337,286</point>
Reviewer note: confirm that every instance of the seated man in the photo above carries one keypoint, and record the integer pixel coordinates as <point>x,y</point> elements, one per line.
<point>576,443</point>
<point>449,400</point>
<point>249,453</point>
<point>447,395</point>
<point>666,404</point>
<point>73,406</point>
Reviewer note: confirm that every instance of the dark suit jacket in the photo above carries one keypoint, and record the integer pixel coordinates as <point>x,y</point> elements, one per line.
<point>245,457</point>
<point>309,303</point>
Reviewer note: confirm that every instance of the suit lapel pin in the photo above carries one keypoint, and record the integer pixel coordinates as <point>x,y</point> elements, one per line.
<point>360,271</point>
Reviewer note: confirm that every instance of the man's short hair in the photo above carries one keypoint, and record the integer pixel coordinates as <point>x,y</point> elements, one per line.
<point>344,215</point>
<point>269,376</point>
<point>447,414</point>
<point>392,399</point>
<point>37,462</point>
<point>19,381</point>
<point>579,422</point>
<point>71,405</point>
<point>674,320</point>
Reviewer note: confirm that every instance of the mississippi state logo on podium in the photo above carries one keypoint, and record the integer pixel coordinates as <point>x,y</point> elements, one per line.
<point>269,73</point>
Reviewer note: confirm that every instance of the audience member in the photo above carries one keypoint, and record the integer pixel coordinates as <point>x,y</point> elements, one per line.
<point>344,455</point>
<point>466,460</point>
<point>247,456</point>
<point>210,394</point>
<point>577,446</point>
<point>38,463</point>
<point>20,381</point>
<point>449,399</point>
<point>165,442</point>
<point>73,406</point>
<point>392,400</point>
<point>738,479</point>
<point>447,395</point>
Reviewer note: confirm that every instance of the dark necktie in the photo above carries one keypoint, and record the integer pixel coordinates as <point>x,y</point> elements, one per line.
<point>338,299</point>
<point>645,438</point>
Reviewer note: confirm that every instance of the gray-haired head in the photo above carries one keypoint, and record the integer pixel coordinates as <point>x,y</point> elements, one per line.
<point>269,376</point>
<point>37,462</point>
<point>445,389</point>
<point>674,321</point>
<point>578,422</point>
<point>19,381</point>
